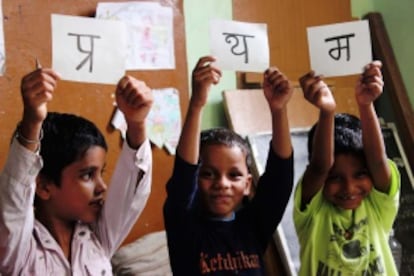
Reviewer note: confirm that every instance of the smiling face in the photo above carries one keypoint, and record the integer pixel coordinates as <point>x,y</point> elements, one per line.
<point>348,182</point>
<point>224,179</point>
<point>80,195</point>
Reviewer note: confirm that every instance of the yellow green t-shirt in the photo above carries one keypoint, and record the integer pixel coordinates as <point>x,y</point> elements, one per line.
<point>346,242</point>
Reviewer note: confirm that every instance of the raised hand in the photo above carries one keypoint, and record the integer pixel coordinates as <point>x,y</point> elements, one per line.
<point>134,98</point>
<point>370,84</point>
<point>317,92</point>
<point>203,76</point>
<point>277,88</point>
<point>37,90</point>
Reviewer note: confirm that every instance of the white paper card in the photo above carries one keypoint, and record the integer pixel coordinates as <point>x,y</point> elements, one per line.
<point>88,49</point>
<point>340,49</point>
<point>239,46</point>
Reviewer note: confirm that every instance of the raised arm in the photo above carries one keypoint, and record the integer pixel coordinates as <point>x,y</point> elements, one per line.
<point>368,89</point>
<point>203,76</point>
<point>18,177</point>
<point>134,98</point>
<point>278,90</point>
<point>131,180</point>
<point>37,90</point>
<point>318,93</point>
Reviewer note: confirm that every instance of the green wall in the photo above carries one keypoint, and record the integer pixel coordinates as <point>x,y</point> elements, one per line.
<point>197,16</point>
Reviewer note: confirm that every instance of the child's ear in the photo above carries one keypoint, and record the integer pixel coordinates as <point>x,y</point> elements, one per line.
<point>248,188</point>
<point>43,190</point>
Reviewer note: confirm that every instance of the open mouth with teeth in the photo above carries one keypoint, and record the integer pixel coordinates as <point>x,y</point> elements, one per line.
<point>347,197</point>
<point>348,201</point>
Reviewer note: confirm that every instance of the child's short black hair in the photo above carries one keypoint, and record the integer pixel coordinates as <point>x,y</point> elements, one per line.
<point>66,138</point>
<point>347,135</point>
<point>227,137</point>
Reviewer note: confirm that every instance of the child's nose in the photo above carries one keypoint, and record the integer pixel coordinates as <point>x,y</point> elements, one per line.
<point>348,186</point>
<point>222,182</point>
<point>100,186</point>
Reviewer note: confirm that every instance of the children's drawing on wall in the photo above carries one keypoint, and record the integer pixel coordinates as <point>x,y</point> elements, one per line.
<point>150,39</point>
<point>340,49</point>
<point>163,121</point>
<point>2,50</point>
<point>239,46</point>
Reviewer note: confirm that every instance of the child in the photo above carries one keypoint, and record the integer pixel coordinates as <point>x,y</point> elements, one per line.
<point>207,232</point>
<point>347,200</point>
<point>56,162</point>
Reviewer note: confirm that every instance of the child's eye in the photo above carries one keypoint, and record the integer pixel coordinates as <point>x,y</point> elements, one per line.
<point>86,176</point>
<point>362,174</point>
<point>206,174</point>
<point>235,175</point>
<point>333,178</point>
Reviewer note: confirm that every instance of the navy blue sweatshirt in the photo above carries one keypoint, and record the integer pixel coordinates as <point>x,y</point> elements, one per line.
<point>199,245</point>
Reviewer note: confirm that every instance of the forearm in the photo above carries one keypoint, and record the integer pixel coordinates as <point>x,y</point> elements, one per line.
<point>323,143</point>
<point>374,146</point>
<point>372,135</point>
<point>136,134</point>
<point>281,140</point>
<point>188,145</point>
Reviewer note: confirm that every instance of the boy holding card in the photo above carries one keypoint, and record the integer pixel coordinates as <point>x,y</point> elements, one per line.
<point>54,219</point>
<point>347,199</point>
<point>209,231</point>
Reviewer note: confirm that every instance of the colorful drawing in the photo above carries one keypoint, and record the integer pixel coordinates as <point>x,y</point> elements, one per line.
<point>163,122</point>
<point>150,31</point>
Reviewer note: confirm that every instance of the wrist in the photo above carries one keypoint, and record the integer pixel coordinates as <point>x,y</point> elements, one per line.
<point>326,113</point>
<point>29,137</point>
<point>135,134</point>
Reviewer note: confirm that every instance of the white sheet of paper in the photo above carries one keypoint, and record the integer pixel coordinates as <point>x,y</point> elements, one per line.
<point>88,49</point>
<point>340,49</point>
<point>239,46</point>
<point>118,122</point>
<point>2,49</point>
<point>150,40</point>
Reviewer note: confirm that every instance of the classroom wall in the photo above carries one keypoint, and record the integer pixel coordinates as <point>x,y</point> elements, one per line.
<point>27,32</point>
<point>398,19</point>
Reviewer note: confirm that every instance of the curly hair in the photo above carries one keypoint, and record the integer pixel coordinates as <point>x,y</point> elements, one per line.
<point>227,137</point>
<point>347,135</point>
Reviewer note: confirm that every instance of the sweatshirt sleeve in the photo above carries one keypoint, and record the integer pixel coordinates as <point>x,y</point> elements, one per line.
<point>273,191</point>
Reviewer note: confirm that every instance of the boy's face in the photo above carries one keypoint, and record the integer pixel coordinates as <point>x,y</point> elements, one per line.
<point>82,188</point>
<point>348,182</point>
<point>224,179</point>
